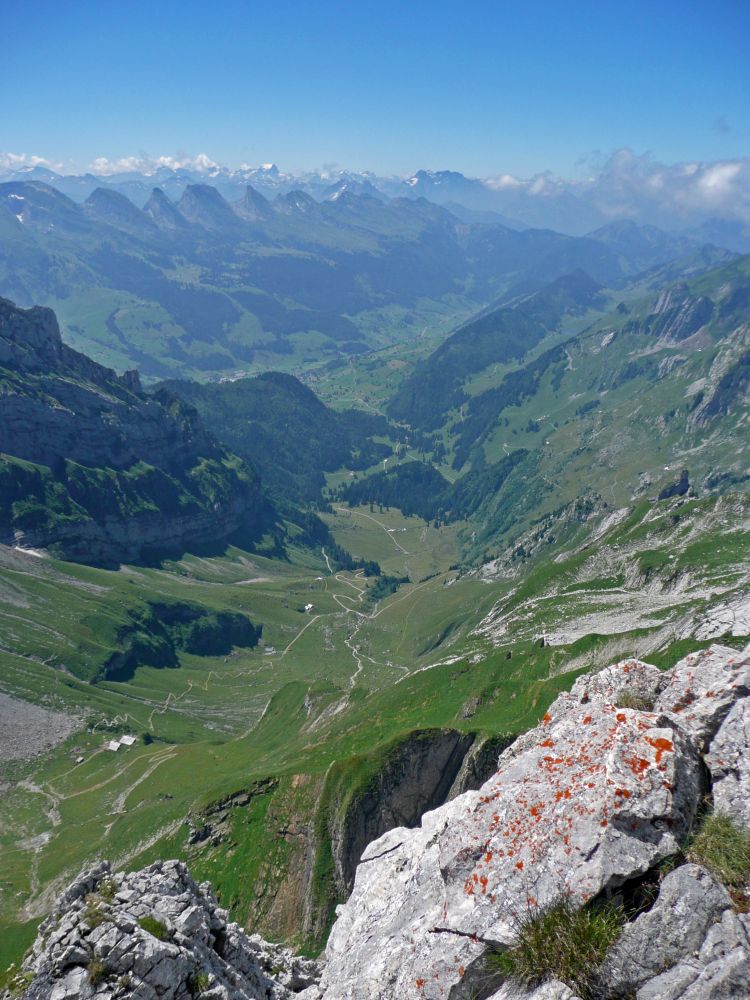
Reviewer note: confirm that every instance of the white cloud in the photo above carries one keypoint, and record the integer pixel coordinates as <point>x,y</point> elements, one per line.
<point>144,164</point>
<point>640,185</point>
<point>504,182</point>
<point>637,186</point>
<point>21,161</point>
<point>720,177</point>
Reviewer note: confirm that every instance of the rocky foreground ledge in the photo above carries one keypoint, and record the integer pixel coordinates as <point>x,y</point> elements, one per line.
<point>585,806</point>
<point>155,933</point>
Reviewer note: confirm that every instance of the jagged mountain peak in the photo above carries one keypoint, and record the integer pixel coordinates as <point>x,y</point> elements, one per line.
<point>296,202</point>
<point>253,206</point>
<point>163,212</point>
<point>115,209</point>
<point>43,208</point>
<point>205,206</point>
<point>349,186</point>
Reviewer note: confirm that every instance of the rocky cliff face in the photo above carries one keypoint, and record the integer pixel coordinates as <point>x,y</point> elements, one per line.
<point>586,806</point>
<point>117,474</point>
<point>416,777</point>
<point>56,402</point>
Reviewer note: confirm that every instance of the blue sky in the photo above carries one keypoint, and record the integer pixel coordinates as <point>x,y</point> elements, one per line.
<point>484,88</point>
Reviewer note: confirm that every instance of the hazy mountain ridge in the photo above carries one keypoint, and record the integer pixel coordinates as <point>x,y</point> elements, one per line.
<point>202,285</point>
<point>706,200</point>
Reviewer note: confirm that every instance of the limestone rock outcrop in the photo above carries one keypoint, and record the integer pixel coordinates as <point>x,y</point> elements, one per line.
<point>729,763</point>
<point>671,933</point>
<point>581,806</point>
<point>155,934</point>
<point>703,688</point>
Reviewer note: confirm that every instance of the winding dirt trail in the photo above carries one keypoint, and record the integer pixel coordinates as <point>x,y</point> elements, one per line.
<point>297,636</point>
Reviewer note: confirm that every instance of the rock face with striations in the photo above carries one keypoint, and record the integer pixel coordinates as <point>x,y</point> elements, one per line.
<point>116,473</point>
<point>691,944</point>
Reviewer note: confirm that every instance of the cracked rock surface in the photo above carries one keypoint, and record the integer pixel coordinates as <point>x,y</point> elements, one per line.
<point>594,796</point>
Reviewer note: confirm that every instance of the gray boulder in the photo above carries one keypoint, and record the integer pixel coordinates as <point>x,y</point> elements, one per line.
<point>690,902</point>
<point>720,970</point>
<point>728,760</point>
<point>702,689</point>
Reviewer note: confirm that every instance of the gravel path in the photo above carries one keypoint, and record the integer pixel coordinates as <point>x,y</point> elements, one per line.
<point>27,730</point>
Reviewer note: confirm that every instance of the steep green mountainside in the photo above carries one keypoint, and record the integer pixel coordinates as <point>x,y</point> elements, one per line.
<point>204,287</point>
<point>95,470</point>
<point>658,385</point>
<point>498,336</point>
<point>286,431</point>
<point>418,488</point>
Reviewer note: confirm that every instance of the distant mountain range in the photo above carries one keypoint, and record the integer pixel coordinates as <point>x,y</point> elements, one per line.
<point>709,200</point>
<point>189,282</point>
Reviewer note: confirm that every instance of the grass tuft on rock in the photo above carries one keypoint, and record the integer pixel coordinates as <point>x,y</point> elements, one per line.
<point>561,941</point>
<point>628,698</point>
<point>106,889</point>
<point>97,971</point>
<point>154,927</point>
<point>15,981</point>
<point>724,848</point>
<point>199,983</point>
<point>93,914</point>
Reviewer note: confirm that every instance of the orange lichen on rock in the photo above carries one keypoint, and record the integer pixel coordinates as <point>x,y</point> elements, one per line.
<point>637,765</point>
<point>661,746</point>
